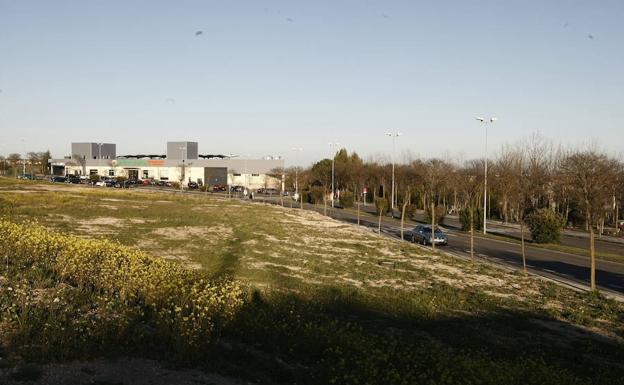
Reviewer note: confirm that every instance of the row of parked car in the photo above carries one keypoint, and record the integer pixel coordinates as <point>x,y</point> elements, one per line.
<point>67,179</point>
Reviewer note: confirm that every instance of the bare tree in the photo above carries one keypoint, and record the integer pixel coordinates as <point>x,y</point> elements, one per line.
<point>588,175</point>
<point>471,186</point>
<point>81,161</point>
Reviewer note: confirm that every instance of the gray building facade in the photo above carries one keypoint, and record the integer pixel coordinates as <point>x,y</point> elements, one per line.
<point>182,150</point>
<point>92,150</point>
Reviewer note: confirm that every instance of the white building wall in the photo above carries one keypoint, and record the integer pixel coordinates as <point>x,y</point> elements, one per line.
<point>252,181</point>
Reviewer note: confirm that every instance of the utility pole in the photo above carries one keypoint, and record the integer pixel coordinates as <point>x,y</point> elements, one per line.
<point>297,150</point>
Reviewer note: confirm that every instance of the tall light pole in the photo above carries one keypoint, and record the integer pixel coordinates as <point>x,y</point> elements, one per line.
<point>297,150</point>
<point>393,135</point>
<point>333,145</point>
<point>485,123</point>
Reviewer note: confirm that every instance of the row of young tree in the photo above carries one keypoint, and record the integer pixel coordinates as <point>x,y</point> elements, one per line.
<point>34,163</point>
<point>534,178</point>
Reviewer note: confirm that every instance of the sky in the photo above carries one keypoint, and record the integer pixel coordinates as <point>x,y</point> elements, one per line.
<point>257,78</point>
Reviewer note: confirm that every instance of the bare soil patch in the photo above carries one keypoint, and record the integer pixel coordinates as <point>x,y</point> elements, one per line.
<point>187,232</point>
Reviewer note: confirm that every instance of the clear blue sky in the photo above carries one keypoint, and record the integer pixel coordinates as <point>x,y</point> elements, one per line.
<point>266,76</point>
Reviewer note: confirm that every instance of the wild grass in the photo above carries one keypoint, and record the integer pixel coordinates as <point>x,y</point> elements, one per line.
<point>327,302</point>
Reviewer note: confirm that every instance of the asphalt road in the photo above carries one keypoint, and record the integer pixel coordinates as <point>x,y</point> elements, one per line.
<point>602,246</point>
<point>565,267</point>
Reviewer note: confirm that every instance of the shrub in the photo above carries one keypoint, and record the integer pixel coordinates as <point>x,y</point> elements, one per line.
<point>440,213</point>
<point>94,178</point>
<point>545,226</point>
<point>464,218</point>
<point>382,205</point>
<point>315,195</point>
<point>346,199</point>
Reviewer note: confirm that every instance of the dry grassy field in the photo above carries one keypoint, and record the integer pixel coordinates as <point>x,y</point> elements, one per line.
<point>322,301</point>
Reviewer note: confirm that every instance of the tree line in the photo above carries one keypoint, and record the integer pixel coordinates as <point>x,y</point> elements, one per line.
<point>35,163</point>
<point>581,188</point>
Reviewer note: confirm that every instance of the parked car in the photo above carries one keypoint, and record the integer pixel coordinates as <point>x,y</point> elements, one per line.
<point>58,179</point>
<point>237,188</point>
<point>219,187</point>
<point>192,185</point>
<point>100,183</point>
<point>422,234</point>
<point>110,182</point>
<point>160,183</point>
<point>73,179</point>
<point>123,184</point>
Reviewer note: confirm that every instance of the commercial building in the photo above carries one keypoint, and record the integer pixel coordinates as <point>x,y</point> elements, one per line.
<point>182,163</point>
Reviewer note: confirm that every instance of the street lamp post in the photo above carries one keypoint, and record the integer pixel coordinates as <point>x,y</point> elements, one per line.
<point>485,123</point>
<point>393,135</point>
<point>333,145</point>
<point>297,150</point>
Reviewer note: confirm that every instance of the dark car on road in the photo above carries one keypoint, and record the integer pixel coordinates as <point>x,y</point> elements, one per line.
<point>74,179</point>
<point>422,234</point>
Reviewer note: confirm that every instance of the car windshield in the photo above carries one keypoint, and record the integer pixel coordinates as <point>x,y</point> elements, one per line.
<point>428,230</point>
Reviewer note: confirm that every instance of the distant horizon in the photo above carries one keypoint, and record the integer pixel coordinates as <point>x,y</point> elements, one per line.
<point>261,79</point>
<point>404,157</point>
